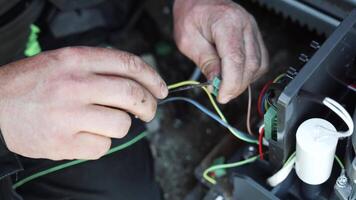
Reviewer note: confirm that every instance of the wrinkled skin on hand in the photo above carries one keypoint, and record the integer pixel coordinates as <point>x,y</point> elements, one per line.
<point>222,39</point>
<point>68,103</point>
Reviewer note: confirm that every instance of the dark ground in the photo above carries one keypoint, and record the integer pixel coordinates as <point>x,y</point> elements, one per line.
<point>181,136</point>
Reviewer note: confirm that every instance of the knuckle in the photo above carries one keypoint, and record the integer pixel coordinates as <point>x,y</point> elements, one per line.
<point>62,85</point>
<point>58,89</point>
<point>134,64</point>
<point>134,91</point>
<point>235,51</point>
<point>230,12</point>
<point>227,9</point>
<point>237,56</point>
<point>70,56</point>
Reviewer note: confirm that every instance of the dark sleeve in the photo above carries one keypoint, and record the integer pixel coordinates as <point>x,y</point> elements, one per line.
<point>9,163</point>
<point>170,3</point>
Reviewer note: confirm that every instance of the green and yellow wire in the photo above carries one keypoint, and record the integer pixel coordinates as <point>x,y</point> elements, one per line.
<point>76,162</point>
<point>225,166</point>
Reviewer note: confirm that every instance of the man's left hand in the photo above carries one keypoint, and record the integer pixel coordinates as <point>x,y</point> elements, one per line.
<point>222,39</point>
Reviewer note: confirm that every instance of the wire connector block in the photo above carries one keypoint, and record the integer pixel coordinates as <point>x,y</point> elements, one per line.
<point>216,85</point>
<point>270,122</point>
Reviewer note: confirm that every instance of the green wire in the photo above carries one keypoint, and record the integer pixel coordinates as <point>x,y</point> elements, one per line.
<point>76,162</point>
<point>225,166</point>
<point>290,158</point>
<point>339,162</point>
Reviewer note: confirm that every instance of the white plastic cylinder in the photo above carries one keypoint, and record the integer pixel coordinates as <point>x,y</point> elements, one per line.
<point>316,145</point>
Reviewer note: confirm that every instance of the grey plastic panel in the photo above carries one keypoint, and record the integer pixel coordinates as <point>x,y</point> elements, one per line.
<point>321,75</point>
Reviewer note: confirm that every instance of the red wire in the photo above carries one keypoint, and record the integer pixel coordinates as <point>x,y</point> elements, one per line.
<point>260,140</point>
<point>260,96</point>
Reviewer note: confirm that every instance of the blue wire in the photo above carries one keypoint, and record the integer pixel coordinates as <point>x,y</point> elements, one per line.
<point>243,136</point>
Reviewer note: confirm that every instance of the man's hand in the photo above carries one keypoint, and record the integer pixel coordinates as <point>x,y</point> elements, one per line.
<point>221,38</point>
<point>68,103</point>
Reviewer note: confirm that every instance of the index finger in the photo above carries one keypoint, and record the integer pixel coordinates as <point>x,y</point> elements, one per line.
<point>106,61</point>
<point>231,49</point>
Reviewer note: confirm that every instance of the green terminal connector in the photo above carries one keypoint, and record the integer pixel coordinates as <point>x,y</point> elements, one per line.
<point>33,46</point>
<point>216,85</point>
<point>270,122</point>
<point>219,172</point>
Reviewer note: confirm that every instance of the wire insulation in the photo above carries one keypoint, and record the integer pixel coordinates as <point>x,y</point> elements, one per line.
<point>239,134</point>
<point>76,162</point>
<point>283,173</point>
<point>342,113</point>
<point>249,105</point>
<point>260,143</point>
<point>339,162</point>
<point>260,97</point>
<point>182,83</point>
<point>278,78</point>
<point>215,106</point>
<point>225,166</point>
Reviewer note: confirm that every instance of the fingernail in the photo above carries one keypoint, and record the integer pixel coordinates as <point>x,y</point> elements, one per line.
<point>164,90</point>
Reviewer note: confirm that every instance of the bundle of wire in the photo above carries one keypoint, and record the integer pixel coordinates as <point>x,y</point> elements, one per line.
<point>263,99</point>
<point>220,119</point>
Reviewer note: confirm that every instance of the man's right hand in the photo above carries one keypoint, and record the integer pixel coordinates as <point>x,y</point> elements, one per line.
<point>68,103</point>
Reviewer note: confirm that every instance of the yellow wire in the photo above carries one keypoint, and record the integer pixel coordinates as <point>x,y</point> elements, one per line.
<point>221,115</point>
<point>211,98</point>
<point>278,77</point>
<point>183,83</point>
<point>212,101</point>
